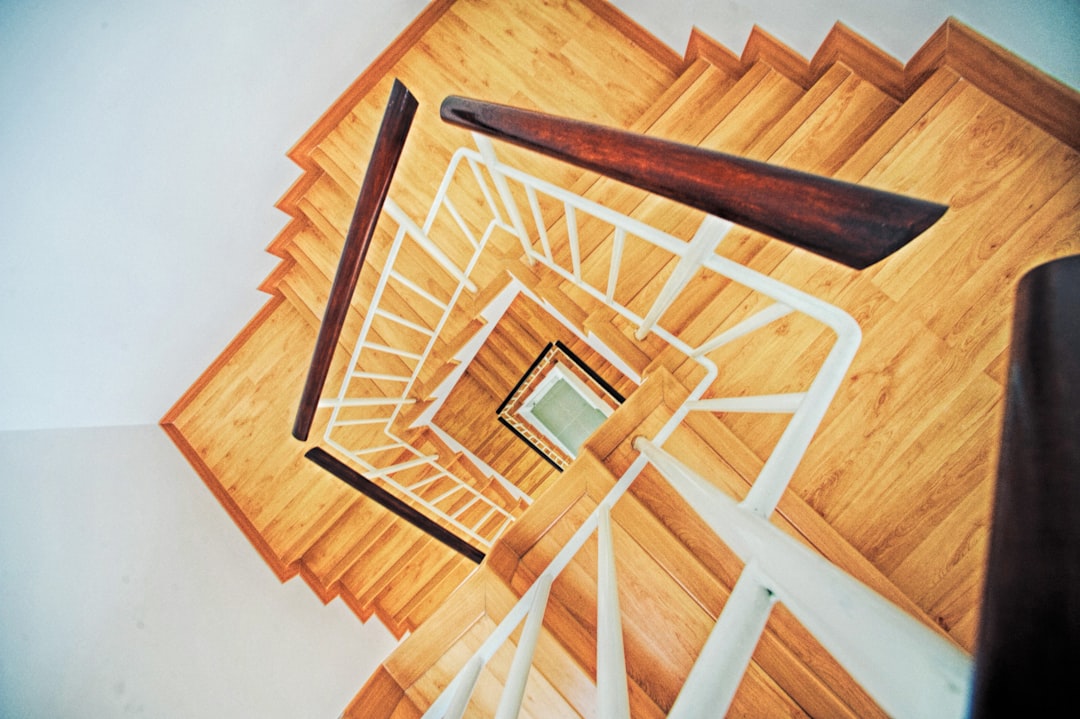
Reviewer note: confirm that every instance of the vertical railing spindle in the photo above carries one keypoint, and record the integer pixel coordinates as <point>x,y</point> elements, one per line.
<point>701,245</point>
<point>612,698</point>
<point>718,671</point>
<point>487,151</point>
<point>514,689</point>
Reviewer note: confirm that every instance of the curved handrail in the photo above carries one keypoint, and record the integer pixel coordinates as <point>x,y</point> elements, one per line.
<point>1029,636</point>
<point>849,223</point>
<point>389,143</point>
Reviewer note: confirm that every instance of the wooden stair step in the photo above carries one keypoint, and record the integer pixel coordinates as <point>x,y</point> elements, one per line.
<point>411,577</point>
<point>346,541</point>
<point>368,574</point>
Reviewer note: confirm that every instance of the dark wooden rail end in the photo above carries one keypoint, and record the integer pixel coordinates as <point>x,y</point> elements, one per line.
<point>389,143</point>
<point>849,223</point>
<point>369,489</point>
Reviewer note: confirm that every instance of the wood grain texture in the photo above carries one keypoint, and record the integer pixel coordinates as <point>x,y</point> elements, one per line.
<point>897,483</point>
<point>1029,631</point>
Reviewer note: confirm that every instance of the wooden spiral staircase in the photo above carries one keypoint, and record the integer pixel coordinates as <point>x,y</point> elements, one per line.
<point>896,487</point>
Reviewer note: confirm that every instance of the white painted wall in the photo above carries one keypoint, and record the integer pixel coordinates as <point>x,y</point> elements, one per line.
<point>125,590</point>
<point>144,148</point>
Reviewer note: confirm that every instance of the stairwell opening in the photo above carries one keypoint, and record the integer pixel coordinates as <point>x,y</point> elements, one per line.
<point>557,404</point>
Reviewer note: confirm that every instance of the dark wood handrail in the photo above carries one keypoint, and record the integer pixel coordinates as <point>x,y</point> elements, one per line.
<point>852,224</point>
<point>1028,650</point>
<point>369,489</point>
<point>389,143</point>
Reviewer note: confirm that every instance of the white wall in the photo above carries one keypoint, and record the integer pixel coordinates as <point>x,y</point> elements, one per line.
<point>126,590</point>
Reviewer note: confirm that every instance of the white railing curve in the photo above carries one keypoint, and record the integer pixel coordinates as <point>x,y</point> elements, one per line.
<point>920,674</point>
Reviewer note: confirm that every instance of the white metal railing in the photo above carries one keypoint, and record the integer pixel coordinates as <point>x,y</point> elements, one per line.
<point>391,459</point>
<point>912,672</point>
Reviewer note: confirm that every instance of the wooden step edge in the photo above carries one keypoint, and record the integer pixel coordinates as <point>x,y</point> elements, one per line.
<point>667,104</point>
<point>662,105</point>
<point>447,350</point>
<point>325,592</point>
<point>804,519</point>
<point>174,413</point>
<point>816,96</point>
<point>1012,81</point>
<point>332,574</point>
<point>384,559</point>
<point>412,581</point>
<point>270,283</point>
<point>929,93</point>
<point>364,614</point>
<point>546,511</point>
<point>551,291</point>
<point>450,575</point>
<point>642,414</point>
<point>281,570</point>
<point>841,45</point>
<point>283,239</point>
<point>289,202</point>
<point>296,298</point>
<point>761,46</point>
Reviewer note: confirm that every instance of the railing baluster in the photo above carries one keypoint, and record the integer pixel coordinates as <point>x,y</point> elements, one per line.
<point>363,402</point>
<point>381,448</point>
<point>425,482</point>
<point>464,690</point>
<point>380,376</point>
<point>460,221</point>
<point>453,490</point>
<point>357,422</point>
<point>486,191</point>
<point>403,322</point>
<point>418,289</point>
<point>755,321</point>
<point>538,220</point>
<point>421,238</point>
<point>487,151</point>
<point>904,665</point>
<point>616,262</point>
<point>392,350</point>
<point>613,699</point>
<point>719,668</point>
<point>708,236</point>
<point>408,464</point>
<point>572,235</point>
<point>518,676</point>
